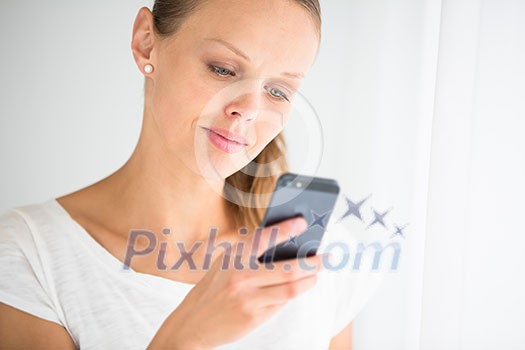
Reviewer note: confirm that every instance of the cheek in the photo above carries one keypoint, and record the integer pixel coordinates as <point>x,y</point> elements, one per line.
<point>266,129</point>
<point>177,104</point>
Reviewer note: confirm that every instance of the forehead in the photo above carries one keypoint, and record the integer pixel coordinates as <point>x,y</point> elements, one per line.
<point>279,31</point>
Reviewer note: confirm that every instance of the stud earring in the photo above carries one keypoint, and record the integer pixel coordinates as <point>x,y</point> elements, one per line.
<point>148,68</point>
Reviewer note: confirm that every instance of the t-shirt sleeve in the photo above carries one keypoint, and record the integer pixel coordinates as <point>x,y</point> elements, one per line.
<point>22,278</point>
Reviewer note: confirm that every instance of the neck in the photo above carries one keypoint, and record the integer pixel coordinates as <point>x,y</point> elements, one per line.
<point>153,191</point>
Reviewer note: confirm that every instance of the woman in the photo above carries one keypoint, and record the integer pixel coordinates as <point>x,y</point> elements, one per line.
<point>220,79</point>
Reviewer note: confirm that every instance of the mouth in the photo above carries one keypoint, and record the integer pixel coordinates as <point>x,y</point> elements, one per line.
<point>225,140</point>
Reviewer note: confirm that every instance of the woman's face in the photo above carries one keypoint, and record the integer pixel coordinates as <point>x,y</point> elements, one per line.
<point>224,83</point>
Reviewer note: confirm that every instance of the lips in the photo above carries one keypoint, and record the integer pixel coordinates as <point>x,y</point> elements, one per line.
<point>225,140</point>
<point>229,136</point>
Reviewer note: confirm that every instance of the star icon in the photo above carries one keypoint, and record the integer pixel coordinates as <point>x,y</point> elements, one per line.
<point>292,240</point>
<point>399,231</point>
<point>318,219</point>
<point>353,208</point>
<point>379,218</point>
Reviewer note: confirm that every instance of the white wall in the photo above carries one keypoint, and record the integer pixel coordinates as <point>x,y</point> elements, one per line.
<point>70,95</point>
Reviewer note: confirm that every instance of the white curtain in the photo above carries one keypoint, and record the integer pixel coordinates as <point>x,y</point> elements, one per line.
<point>422,105</point>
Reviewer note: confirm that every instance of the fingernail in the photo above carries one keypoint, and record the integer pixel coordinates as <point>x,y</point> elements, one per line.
<point>299,225</point>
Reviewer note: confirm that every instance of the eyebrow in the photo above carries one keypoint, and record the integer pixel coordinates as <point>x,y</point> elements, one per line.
<point>238,52</point>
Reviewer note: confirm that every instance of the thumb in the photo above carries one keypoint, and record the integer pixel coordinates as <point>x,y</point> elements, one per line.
<point>270,236</point>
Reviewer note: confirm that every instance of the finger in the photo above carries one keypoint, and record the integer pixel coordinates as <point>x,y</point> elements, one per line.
<point>268,311</point>
<point>282,293</point>
<point>286,271</point>
<point>268,237</point>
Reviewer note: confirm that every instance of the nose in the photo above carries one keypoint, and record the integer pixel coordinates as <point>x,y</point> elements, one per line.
<point>245,106</point>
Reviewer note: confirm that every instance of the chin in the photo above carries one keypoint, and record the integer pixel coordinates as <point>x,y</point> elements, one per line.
<point>214,163</point>
<point>225,165</point>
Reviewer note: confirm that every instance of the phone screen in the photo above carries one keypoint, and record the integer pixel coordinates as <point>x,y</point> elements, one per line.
<point>300,195</point>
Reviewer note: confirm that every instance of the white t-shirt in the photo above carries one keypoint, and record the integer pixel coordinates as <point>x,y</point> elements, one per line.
<point>52,268</point>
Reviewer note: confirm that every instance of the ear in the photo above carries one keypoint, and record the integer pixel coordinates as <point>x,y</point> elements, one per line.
<point>143,39</point>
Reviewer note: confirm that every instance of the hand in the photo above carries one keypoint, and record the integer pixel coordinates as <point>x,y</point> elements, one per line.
<point>228,303</point>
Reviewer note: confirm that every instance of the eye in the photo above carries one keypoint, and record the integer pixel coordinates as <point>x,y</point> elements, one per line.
<point>277,93</point>
<point>223,72</point>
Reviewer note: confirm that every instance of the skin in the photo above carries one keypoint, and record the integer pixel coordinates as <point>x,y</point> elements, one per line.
<point>175,172</point>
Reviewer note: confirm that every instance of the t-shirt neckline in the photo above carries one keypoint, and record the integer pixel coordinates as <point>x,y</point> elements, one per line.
<point>102,253</point>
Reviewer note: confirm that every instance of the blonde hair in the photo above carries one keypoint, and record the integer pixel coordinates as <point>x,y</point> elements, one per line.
<point>247,186</point>
<point>244,189</point>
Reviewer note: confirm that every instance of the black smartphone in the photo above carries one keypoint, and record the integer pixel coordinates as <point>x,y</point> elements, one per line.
<point>313,198</point>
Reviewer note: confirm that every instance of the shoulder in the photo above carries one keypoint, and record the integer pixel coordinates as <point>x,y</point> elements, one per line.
<point>13,228</point>
<point>18,224</point>
<point>23,239</point>
<point>28,237</point>
<point>24,282</point>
